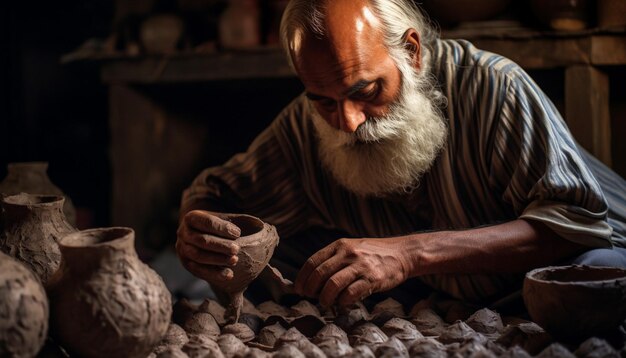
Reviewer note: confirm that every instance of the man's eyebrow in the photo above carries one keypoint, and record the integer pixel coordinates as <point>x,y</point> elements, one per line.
<point>358,86</point>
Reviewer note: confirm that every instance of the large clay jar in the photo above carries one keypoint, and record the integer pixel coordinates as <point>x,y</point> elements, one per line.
<point>257,242</point>
<point>32,178</point>
<point>23,310</point>
<point>105,302</point>
<point>32,227</point>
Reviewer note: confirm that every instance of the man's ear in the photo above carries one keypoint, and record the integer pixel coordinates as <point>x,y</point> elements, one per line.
<point>413,46</point>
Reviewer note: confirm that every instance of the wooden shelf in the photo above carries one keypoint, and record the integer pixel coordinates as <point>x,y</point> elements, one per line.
<point>265,63</point>
<point>530,48</point>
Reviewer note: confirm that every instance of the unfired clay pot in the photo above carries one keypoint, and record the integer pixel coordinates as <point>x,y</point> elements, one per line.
<point>32,226</point>
<point>32,178</point>
<point>105,302</point>
<point>257,242</point>
<point>575,302</point>
<point>23,310</point>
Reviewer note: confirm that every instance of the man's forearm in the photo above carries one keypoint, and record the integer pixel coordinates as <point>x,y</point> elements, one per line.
<point>511,247</point>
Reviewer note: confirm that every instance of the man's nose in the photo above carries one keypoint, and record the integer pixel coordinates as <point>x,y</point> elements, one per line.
<point>351,116</point>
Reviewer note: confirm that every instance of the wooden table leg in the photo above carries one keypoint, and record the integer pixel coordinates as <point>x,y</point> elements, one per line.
<point>587,109</point>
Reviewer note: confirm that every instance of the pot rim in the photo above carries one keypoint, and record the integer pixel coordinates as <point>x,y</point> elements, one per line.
<point>84,238</point>
<point>27,199</point>
<point>531,275</point>
<point>252,237</point>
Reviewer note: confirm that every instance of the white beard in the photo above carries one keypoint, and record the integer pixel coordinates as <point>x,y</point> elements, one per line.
<point>391,153</point>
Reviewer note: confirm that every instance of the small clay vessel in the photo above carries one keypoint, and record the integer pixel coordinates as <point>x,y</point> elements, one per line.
<point>556,350</point>
<point>202,346</point>
<point>515,352</point>
<point>554,295</point>
<point>367,334</point>
<point>239,330</point>
<point>23,310</point>
<point>393,347</point>
<point>231,346</point>
<point>174,337</point>
<point>428,322</point>
<point>201,323</point>
<point>257,242</point>
<point>361,351</point>
<point>402,329</point>
<point>331,331</point>
<point>104,301</point>
<point>486,321</point>
<point>32,227</point>
<point>270,334</point>
<point>528,336</point>
<point>595,348</point>
<point>183,310</point>
<point>427,348</point>
<point>32,178</point>
<point>334,348</point>
<point>215,309</point>
<point>459,332</point>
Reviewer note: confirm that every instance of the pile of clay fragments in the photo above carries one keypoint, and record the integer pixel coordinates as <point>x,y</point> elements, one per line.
<point>432,328</point>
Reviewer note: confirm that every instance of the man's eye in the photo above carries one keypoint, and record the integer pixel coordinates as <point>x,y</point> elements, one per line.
<point>368,94</point>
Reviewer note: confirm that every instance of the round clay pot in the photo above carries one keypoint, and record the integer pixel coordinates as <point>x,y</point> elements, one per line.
<point>32,178</point>
<point>23,310</point>
<point>105,302</point>
<point>574,302</point>
<point>160,34</point>
<point>257,242</point>
<point>451,12</point>
<point>32,227</point>
<point>562,15</point>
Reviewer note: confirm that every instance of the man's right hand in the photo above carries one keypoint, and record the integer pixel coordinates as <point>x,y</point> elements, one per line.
<point>205,245</point>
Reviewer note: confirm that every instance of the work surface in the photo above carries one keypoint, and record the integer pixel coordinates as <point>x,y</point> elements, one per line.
<point>434,327</point>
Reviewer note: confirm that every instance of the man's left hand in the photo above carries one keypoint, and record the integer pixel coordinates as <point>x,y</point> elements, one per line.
<point>349,270</point>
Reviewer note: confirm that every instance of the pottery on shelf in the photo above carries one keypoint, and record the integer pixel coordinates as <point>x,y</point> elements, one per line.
<point>23,310</point>
<point>160,34</point>
<point>256,246</point>
<point>32,178</point>
<point>32,227</point>
<point>105,302</point>
<point>562,15</point>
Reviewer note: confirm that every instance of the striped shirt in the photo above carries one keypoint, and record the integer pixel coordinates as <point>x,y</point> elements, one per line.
<point>508,155</point>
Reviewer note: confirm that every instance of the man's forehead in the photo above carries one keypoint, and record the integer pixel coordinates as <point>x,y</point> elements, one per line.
<point>353,41</point>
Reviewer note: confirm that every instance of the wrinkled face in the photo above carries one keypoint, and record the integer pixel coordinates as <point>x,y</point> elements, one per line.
<point>348,75</point>
<point>378,126</point>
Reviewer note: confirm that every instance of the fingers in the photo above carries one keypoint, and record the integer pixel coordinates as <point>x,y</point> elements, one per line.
<point>211,243</point>
<point>321,274</point>
<point>355,292</point>
<point>309,266</point>
<point>336,284</point>
<point>193,253</point>
<point>206,222</point>
<point>211,274</point>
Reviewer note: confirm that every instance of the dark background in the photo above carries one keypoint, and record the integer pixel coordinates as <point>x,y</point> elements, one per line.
<point>55,113</point>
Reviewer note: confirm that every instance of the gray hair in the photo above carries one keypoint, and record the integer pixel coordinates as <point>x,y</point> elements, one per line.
<point>397,16</point>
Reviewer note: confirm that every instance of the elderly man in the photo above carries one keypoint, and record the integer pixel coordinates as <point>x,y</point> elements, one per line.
<point>433,159</point>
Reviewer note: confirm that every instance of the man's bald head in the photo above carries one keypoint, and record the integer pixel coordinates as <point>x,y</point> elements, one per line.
<point>334,21</point>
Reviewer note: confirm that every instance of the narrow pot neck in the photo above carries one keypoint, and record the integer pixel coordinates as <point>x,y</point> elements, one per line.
<point>25,207</point>
<point>86,250</point>
<point>32,172</point>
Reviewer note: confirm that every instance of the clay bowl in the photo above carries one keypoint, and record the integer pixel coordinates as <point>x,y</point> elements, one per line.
<point>257,242</point>
<point>575,302</point>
